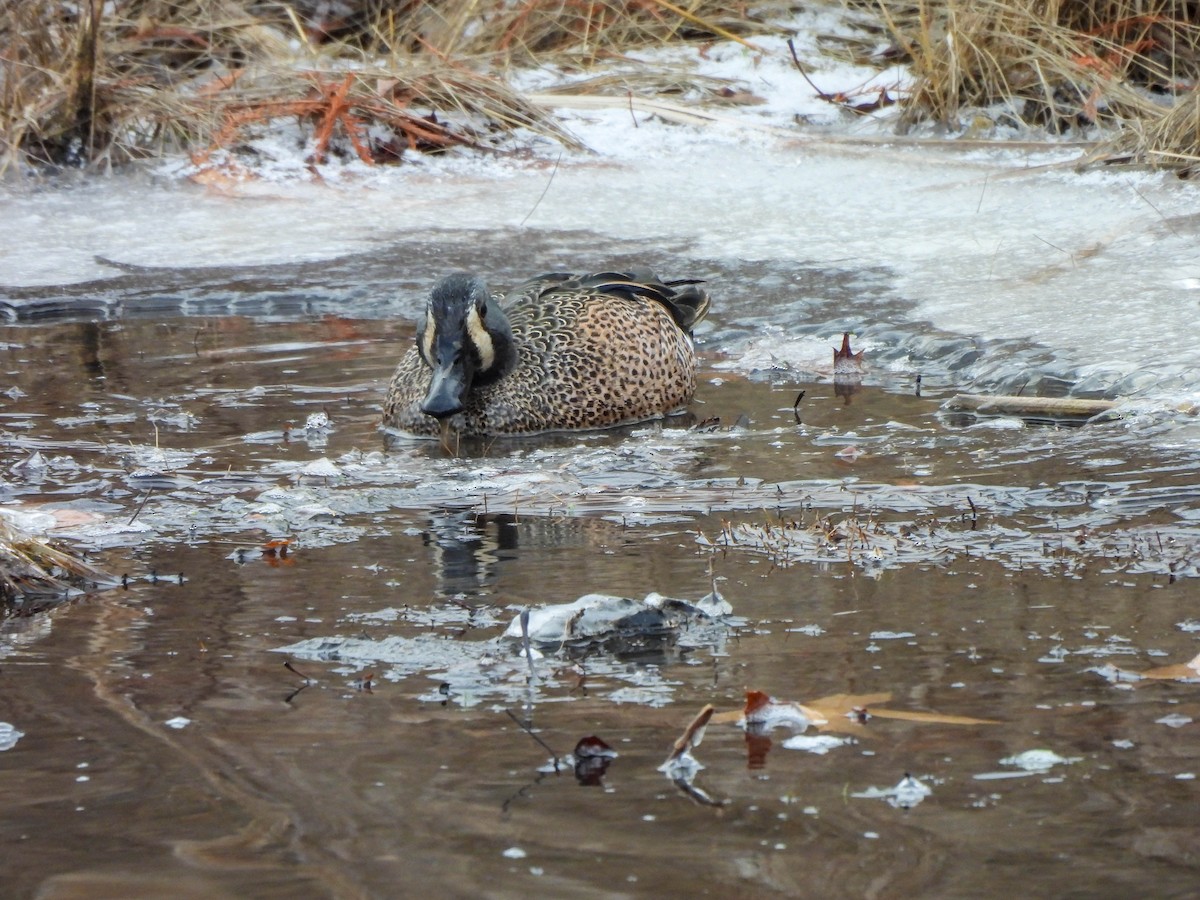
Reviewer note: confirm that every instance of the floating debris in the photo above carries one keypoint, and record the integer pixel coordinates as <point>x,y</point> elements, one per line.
<point>906,794</point>
<point>318,423</point>
<point>604,617</point>
<point>589,761</point>
<point>819,744</point>
<point>33,571</point>
<point>1055,409</point>
<point>682,767</point>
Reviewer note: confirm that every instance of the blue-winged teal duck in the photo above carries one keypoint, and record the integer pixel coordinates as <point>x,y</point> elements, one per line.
<point>562,352</point>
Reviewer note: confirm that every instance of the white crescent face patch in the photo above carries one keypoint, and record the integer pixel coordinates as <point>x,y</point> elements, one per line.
<point>427,336</point>
<point>480,339</point>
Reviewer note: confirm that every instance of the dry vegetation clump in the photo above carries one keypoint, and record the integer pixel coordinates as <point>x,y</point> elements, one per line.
<point>518,32</point>
<point>33,571</point>
<point>1170,139</point>
<point>106,81</point>
<point>1054,63</point>
<point>102,82</point>
<point>91,82</point>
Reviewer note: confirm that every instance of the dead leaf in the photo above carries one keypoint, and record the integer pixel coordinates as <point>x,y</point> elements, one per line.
<point>844,712</point>
<point>845,360</point>
<point>1188,671</point>
<point>930,717</point>
<point>593,747</point>
<point>693,734</point>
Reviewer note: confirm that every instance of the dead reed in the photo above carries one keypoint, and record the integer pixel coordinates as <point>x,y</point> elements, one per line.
<point>101,82</point>
<point>1058,64</point>
<point>1170,139</point>
<point>32,570</point>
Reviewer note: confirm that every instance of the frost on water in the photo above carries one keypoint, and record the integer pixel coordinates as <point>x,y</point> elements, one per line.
<point>472,672</point>
<point>1029,762</point>
<point>819,744</point>
<point>9,736</point>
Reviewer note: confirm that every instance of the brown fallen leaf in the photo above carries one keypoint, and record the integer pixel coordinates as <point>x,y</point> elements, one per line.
<point>931,717</point>
<point>1187,671</point>
<point>845,360</point>
<point>592,747</point>
<point>845,712</point>
<point>693,734</point>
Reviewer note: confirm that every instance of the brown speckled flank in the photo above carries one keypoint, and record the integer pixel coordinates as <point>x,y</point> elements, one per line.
<point>588,351</point>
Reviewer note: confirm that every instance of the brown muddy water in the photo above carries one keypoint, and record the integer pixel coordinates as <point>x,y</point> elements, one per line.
<point>981,569</point>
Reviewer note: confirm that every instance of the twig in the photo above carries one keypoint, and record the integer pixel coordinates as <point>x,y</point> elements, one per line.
<point>1148,202</point>
<point>138,511</point>
<point>800,68</point>
<point>796,407</point>
<point>1068,253</point>
<point>287,664</point>
<point>529,731</point>
<point>546,189</point>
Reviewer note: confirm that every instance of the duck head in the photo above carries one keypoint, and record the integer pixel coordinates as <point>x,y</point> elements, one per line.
<point>465,339</point>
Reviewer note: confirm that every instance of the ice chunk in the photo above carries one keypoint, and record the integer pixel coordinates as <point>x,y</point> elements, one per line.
<point>603,615</point>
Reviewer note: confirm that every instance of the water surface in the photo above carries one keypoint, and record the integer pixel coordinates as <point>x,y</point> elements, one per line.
<point>867,542</point>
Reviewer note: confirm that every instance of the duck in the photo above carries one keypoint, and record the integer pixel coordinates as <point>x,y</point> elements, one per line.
<point>559,352</point>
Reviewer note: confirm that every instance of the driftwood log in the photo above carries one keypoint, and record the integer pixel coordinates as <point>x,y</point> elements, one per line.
<point>1038,407</point>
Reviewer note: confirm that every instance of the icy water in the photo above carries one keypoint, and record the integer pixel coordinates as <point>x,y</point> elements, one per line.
<point>867,542</point>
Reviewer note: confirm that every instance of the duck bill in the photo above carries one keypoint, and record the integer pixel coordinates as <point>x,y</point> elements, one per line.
<point>446,390</point>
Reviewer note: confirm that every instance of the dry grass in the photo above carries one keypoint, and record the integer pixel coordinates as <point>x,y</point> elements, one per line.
<point>1057,64</point>
<point>1169,140</point>
<point>101,82</point>
<point>32,570</point>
